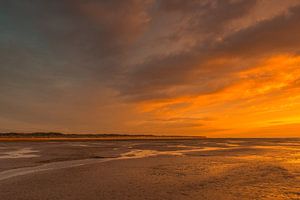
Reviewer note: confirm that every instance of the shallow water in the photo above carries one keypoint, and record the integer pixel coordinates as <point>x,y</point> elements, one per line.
<point>19,153</point>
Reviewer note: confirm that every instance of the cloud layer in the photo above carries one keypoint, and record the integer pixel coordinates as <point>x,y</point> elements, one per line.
<point>153,66</point>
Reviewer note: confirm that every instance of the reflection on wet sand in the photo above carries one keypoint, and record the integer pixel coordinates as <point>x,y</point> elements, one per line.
<point>133,154</point>
<point>20,153</point>
<point>240,168</point>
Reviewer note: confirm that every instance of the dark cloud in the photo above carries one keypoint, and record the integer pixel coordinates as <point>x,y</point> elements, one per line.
<point>53,52</point>
<point>63,36</point>
<point>277,35</point>
<point>197,68</point>
<point>208,16</point>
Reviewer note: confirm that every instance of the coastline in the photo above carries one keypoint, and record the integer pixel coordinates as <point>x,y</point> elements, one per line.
<point>46,139</point>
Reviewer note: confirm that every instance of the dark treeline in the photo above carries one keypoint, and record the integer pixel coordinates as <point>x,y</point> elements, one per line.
<point>62,135</point>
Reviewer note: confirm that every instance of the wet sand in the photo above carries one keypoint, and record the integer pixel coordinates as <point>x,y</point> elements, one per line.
<point>151,169</point>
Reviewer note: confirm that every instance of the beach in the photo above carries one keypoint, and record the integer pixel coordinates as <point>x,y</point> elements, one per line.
<point>151,169</point>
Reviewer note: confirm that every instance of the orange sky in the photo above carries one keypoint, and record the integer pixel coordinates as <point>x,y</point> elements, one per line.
<point>152,67</point>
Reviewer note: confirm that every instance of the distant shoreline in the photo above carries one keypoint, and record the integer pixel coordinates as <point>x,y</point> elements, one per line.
<point>85,137</point>
<point>97,139</point>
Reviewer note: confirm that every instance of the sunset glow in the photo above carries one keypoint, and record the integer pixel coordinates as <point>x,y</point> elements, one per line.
<point>151,67</point>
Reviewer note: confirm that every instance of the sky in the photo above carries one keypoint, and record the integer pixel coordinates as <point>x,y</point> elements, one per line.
<point>219,68</point>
